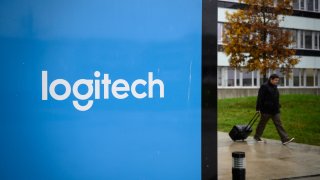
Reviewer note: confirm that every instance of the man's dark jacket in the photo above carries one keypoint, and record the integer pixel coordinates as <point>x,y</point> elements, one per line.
<point>268,99</point>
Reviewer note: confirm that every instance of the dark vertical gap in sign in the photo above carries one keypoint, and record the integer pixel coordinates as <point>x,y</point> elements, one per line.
<point>209,91</point>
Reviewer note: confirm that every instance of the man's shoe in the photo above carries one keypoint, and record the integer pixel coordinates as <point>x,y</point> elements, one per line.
<point>288,141</point>
<point>258,140</point>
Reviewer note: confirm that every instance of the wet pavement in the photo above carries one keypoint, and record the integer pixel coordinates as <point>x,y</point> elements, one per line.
<point>270,160</point>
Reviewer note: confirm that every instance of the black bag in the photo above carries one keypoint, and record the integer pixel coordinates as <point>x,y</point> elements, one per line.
<point>241,132</point>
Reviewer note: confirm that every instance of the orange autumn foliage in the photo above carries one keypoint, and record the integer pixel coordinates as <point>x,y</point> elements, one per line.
<point>253,39</point>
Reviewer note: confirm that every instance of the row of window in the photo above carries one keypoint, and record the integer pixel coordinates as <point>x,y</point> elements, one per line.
<point>303,39</point>
<point>229,77</point>
<point>303,5</point>
<point>307,5</point>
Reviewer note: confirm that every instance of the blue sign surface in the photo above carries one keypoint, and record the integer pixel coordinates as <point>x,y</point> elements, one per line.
<point>100,89</point>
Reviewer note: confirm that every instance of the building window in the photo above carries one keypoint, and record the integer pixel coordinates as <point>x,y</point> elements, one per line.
<point>309,77</point>
<point>230,76</point>
<point>316,5</point>
<point>286,80</point>
<point>295,4</point>
<point>301,40</point>
<point>238,78</point>
<point>262,80</point>
<point>219,76</point>
<point>282,80</point>
<point>247,78</point>
<point>317,78</point>
<point>310,5</point>
<point>301,4</point>
<point>302,77</point>
<point>294,38</point>
<point>308,39</point>
<point>296,77</point>
<point>316,40</point>
<point>255,78</point>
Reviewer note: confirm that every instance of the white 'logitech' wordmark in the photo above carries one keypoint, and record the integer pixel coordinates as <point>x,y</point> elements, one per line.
<point>119,89</point>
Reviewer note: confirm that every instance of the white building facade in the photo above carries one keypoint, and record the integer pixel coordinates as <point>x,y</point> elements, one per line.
<point>305,25</point>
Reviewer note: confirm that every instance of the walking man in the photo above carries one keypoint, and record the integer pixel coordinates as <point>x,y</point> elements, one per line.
<point>269,107</point>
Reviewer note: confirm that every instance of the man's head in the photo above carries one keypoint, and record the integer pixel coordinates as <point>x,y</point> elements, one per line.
<point>274,79</point>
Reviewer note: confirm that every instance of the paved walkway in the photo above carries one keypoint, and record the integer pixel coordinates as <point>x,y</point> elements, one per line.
<point>270,160</point>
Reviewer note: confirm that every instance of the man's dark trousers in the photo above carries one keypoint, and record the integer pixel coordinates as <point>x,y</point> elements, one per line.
<point>276,120</point>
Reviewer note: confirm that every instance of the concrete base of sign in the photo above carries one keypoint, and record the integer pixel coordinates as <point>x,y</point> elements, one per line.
<point>270,160</point>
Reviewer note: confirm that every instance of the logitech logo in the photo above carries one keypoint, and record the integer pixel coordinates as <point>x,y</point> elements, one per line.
<point>118,89</point>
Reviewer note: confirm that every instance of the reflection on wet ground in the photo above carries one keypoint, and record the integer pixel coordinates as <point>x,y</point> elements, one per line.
<point>270,160</point>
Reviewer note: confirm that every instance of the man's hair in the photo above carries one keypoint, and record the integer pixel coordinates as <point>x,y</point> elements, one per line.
<point>273,76</point>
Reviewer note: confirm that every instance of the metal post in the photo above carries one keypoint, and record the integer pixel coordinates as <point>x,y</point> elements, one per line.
<point>238,166</point>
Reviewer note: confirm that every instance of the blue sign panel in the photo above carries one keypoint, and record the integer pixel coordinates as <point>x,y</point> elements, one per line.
<point>100,89</point>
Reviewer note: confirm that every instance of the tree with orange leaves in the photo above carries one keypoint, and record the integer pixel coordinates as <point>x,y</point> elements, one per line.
<point>253,39</point>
